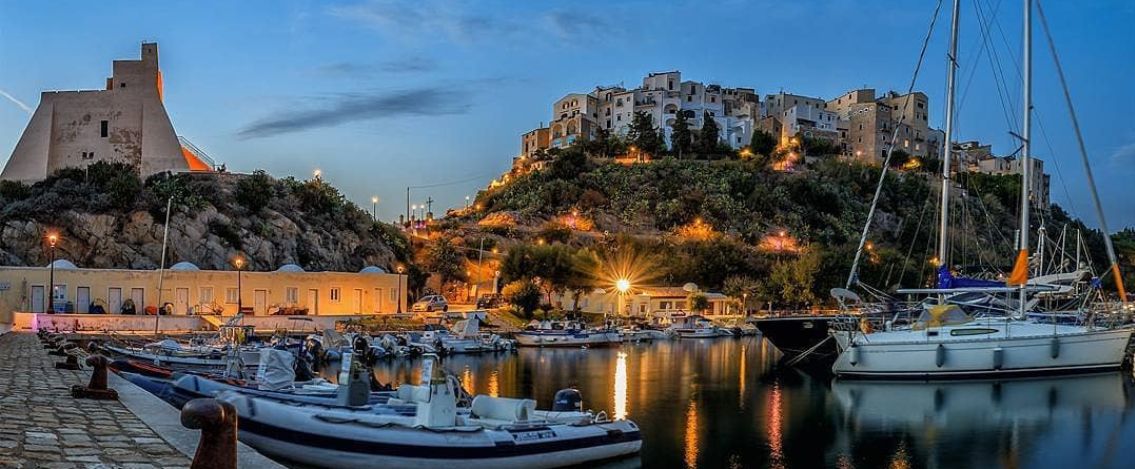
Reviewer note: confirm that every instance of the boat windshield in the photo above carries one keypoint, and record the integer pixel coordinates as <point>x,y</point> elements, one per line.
<point>941,315</point>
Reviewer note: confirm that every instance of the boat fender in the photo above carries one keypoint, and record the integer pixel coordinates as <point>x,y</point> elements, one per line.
<point>998,358</point>
<point>1055,348</point>
<point>853,354</point>
<point>940,355</point>
<point>568,400</point>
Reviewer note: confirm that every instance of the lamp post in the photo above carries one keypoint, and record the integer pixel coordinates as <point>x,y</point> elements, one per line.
<point>399,289</point>
<point>239,262</point>
<point>374,208</point>
<point>52,240</point>
<point>466,202</point>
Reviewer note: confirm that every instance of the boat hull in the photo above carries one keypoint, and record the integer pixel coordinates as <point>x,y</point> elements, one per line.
<point>567,339</point>
<point>1007,354</point>
<point>794,335</point>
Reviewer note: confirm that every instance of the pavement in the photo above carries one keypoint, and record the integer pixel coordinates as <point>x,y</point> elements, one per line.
<point>42,426</point>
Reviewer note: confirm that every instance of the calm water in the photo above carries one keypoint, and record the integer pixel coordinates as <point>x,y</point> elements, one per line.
<point>723,403</point>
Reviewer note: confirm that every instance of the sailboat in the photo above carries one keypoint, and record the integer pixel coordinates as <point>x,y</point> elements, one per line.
<point>946,341</point>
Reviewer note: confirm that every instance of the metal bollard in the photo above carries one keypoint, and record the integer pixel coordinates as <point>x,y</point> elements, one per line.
<point>217,421</point>
<point>97,388</point>
<point>61,351</point>
<point>72,363</point>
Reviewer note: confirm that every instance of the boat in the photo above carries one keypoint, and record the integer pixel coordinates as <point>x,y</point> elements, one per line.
<point>795,336</point>
<point>172,354</point>
<point>697,327</point>
<point>435,432</point>
<point>643,334</point>
<point>566,334</point>
<point>464,337</point>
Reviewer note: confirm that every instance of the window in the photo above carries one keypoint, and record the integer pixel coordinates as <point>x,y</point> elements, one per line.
<point>689,98</point>
<point>642,308</point>
<point>205,295</point>
<point>394,295</point>
<point>231,296</point>
<point>292,295</point>
<point>104,127</point>
<point>336,295</point>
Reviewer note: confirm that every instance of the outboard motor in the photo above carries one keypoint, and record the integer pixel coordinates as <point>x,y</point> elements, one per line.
<point>568,400</point>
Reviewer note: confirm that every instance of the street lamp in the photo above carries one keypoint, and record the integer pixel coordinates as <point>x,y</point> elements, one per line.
<point>374,208</point>
<point>239,263</point>
<point>622,285</point>
<point>399,289</point>
<point>52,240</point>
<point>466,202</point>
<point>318,174</point>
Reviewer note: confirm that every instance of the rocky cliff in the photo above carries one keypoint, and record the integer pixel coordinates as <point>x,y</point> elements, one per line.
<point>107,218</point>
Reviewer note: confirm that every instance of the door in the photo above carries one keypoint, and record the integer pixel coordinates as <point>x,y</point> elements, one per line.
<point>378,300</point>
<point>83,300</point>
<point>59,298</point>
<point>181,301</point>
<point>38,299</point>
<point>260,302</point>
<point>312,302</point>
<point>139,297</point>
<point>114,300</point>
<point>358,301</point>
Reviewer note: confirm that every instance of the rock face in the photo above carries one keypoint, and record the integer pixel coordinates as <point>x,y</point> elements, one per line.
<point>210,234</point>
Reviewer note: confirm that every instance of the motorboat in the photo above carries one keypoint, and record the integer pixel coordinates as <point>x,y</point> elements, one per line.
<point>643,334</point>
<point>423,427</point>
<point>697,327</point>
<point>176,355</point>
<point>566,334</point>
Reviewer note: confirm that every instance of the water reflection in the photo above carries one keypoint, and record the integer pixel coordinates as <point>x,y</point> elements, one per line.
<point>723,403</point>
<point>621,386</point>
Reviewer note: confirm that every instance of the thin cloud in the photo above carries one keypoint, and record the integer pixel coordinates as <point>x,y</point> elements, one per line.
<point>1124,154</point>
<point>17,102</point>
<point>413,20</point>
<point>354,107</point>
<point>576,25</point>
<point>405,65</point>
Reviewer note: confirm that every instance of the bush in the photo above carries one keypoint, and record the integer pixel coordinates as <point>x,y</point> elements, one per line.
<point>524,295</point>
<point>255,192</point>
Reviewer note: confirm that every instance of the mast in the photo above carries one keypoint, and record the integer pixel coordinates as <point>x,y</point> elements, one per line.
<point>1026,149</point>
<point>948,147</point>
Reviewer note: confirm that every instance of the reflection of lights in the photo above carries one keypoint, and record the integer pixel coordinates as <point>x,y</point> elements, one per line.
<point>621,386</point>
<point>467,380</point>
<point>773,424</point>
<point>901,458</point>
<point>741,384</point>
<point>494,385</point>
<point>692,436</point>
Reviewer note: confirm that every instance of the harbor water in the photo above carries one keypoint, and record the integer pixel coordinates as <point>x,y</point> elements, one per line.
<point>717,403</point>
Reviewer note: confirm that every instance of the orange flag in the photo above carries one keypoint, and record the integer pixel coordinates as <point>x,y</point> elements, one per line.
<point>1020,274</point>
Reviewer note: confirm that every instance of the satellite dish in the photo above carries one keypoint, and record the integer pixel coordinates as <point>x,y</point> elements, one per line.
<point>845,296</point>
<point>690,287</point>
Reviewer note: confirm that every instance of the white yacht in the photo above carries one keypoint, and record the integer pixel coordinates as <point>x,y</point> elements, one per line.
<point>697,327</point>
<point>566,334</point>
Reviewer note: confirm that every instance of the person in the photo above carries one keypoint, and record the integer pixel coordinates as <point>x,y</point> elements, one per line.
<point>128,307</point>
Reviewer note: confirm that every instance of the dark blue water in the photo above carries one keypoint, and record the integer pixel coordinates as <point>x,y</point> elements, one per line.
<point>714,403</point>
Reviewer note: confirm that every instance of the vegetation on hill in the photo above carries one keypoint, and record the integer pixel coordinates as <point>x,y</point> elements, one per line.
<point>108,217</point>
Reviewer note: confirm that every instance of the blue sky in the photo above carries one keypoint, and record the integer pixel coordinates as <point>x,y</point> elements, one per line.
<point>385,94</point>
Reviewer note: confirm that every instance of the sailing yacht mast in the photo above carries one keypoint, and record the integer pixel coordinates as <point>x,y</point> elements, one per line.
<point>1026,149</point>
<point>951,74</point>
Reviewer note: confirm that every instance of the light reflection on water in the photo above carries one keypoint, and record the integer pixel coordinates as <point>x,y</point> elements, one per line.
<point>720,403</point>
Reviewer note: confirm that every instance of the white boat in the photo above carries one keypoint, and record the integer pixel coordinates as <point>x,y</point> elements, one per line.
<point>566,334</point>
<point>945,342</point>
<point>697,327</point>
<point>643,334</point>
<point>172,354</point>
<point>424,428</point>
<point>463,337</point>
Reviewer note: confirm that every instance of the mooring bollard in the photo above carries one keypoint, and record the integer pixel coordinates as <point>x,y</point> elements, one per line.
<point>72,363</point>
<point>62,350</point>
<point>217,421</point>
<point>97,388</point>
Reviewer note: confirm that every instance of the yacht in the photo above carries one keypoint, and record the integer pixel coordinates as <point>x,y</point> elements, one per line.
<point>566,334</point>
<point>697,327</point>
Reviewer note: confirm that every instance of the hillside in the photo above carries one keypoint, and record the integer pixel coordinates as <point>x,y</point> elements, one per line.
<point>741,226</point>
<point>106,217</point>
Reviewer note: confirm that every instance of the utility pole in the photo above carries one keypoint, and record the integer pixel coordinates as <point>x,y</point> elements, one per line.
<point>429,208</point>
<point>407,203</point>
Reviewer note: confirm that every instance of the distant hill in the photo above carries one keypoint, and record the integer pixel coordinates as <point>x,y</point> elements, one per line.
<point>107,217</point>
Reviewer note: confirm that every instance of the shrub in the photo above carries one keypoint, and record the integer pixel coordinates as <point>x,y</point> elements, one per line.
<point>524,295</point>
<point>255,192</point>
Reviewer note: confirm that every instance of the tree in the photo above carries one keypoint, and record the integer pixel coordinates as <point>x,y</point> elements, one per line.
<point>645,136</point>
<point>709,138</point>
<point>791,281</point>
<point>762,143</point>
<point>681,137</point>
<point>698,302</point>
<point>741,288</point>
<point>446,260</point>
<point>524,295</point>
<point>255,191</point>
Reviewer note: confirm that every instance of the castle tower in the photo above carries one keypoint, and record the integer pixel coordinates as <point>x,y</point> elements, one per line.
<point>125,123</point>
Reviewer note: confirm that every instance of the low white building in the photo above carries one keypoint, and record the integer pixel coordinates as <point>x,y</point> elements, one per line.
<point>649,302</point>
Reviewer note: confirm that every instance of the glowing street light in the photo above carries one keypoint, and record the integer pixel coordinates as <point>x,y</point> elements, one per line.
<point>317,174</point>
<point>374,208</point>
<point>239,263</point>
<point>623,285</point>
<point>52,240</point>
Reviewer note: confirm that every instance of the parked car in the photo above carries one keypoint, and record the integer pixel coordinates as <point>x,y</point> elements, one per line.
<point>490,301</point>
<point>430,303</point>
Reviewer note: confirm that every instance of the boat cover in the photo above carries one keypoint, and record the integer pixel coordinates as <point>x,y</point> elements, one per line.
<point>276,371</point>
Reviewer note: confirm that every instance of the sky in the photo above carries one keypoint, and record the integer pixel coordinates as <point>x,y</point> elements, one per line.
<point>385,94</point>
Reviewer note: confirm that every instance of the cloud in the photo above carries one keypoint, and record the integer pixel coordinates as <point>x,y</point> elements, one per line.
<point>354,107</point>
<point>1125,154</point>
<point>576,25</point>
<point>17,102</point>
<point>413,20</point>
<point>398,66</point>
